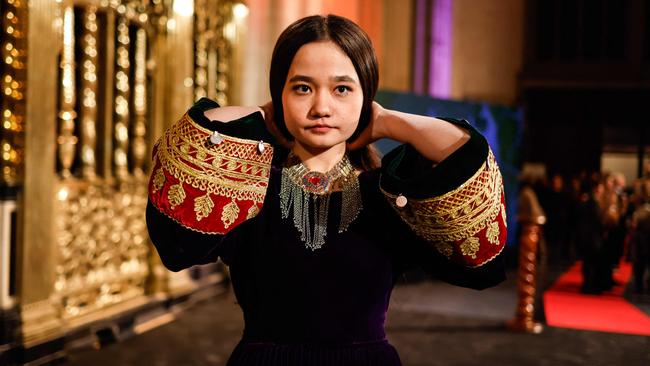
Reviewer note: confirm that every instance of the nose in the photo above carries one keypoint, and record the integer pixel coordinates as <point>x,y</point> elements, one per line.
<point>321,106</point>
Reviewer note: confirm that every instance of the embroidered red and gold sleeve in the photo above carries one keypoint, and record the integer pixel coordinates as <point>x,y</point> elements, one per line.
<point>466,225</point>
<point>210,188</point>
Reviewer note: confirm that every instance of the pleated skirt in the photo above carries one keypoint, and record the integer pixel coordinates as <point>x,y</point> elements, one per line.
<point>375,353</point>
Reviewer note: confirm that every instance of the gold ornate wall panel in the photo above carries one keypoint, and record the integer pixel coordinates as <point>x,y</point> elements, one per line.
<point>12,104</point>
<point>100,232</point>
<point>103,245</point>
<point>111,75</point>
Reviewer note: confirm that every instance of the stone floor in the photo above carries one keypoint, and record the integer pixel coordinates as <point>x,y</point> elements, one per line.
<point>429,323</point>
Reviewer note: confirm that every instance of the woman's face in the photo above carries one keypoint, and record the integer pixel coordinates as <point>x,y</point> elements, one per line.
<point>322,96</point>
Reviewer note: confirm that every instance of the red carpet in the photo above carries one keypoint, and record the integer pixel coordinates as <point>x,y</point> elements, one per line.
<point>566,307</point>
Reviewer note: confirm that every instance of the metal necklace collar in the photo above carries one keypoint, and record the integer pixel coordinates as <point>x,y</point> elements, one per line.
<point>306,194</point>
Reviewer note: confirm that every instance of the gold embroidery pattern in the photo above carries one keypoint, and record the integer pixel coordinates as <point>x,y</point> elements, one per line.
<point>493,233</point>
<point>176,195</point>
<point>503,215</point>
<point>460,213</point>
<point>252,212</point>
<point>445,249</point>
<point>201,155</point>
<point>158,180</point>
<point>470,246</point>
<point>229,214</point>
<point>235,168</point>
<point>203,207</point>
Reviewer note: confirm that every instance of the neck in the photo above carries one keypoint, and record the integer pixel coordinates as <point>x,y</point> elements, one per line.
<point>319,160</point>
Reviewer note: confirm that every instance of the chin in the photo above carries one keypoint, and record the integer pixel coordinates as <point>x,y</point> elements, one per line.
<point>321,143</point>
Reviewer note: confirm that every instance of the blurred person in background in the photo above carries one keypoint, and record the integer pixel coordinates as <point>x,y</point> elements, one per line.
<point>556,203</point>
<point>589,235</point>
<point>640,239</point>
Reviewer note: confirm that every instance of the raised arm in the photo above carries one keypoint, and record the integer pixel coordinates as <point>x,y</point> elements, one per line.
<point>434,138</point>
<point>444,182</point>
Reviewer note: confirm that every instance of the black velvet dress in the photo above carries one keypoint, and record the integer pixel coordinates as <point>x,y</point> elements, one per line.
<point>327,306</point>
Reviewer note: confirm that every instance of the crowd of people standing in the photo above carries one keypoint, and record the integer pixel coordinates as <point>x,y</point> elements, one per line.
<point>599,219</point>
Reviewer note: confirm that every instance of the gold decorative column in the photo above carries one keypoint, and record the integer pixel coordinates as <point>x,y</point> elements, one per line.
<point>180,46</point>
<point>158,65</point>
<point>67,141</point>
<point>215,38</point>
<point>122,93</point>
<point>201,39</point>
<point>180,86</point>
<point>89,89</point>
<point>139,145</point>
<point>36,255</point>
<point>225,31</point>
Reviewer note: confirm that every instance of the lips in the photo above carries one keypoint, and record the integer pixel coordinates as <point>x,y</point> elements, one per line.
<point>320,128</point>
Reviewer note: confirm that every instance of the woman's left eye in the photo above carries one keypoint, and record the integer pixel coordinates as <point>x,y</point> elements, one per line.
<point>342,89</point>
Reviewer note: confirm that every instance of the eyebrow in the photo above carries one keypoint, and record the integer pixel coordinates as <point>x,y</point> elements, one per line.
<point>308,79</point>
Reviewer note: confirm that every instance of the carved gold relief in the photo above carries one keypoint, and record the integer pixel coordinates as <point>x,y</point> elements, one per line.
<point>100,229</point>
<point>102,245</point>
<point>100,233</point>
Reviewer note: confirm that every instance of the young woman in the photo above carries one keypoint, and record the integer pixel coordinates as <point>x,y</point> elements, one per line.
<point>289,195</point>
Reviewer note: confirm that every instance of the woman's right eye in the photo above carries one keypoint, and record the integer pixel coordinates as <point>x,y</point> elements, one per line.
<point>301,89</point>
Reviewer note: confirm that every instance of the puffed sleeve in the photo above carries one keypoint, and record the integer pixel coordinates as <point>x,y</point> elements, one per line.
<point>456,208</point>
<point>208,177</point>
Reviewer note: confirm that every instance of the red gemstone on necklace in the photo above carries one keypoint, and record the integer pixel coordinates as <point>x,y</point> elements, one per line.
<point>314,180</point>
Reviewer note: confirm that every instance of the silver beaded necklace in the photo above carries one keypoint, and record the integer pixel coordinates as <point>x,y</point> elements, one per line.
<point>306,194</point>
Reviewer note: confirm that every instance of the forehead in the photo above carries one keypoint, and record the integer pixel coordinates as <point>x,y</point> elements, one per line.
<point>324,58</point>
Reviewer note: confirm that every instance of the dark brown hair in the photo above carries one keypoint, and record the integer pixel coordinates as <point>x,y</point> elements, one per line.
<point>354,42</point>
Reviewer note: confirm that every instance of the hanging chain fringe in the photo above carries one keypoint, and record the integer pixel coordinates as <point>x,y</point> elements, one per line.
<point>299,200</point>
